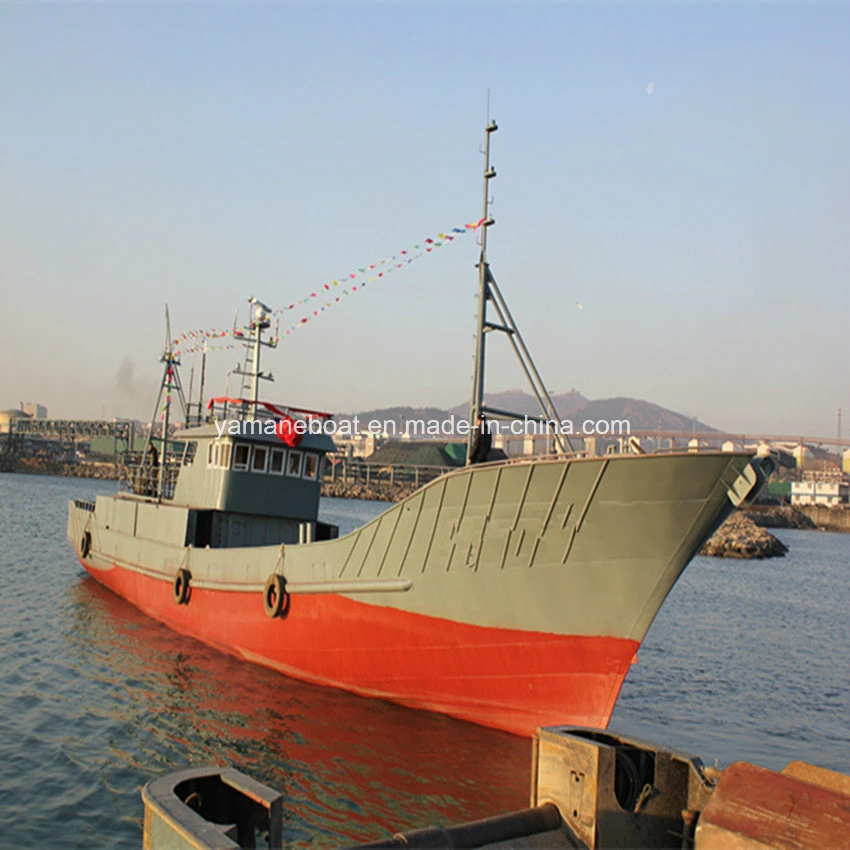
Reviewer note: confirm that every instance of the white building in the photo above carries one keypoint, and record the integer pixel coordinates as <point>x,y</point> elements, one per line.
<point>34,409</point>
<point>6,417</point>
<point>829,493</point>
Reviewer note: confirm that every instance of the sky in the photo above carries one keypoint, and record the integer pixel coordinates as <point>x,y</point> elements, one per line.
<point>680,170</point>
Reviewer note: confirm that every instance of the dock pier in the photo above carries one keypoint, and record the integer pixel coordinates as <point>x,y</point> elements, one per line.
<point>590,790</point>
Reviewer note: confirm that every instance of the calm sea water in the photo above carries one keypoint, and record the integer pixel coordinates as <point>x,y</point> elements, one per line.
<point>746,660</point>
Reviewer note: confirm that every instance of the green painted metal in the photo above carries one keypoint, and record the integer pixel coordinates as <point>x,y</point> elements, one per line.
<point>566,546</point>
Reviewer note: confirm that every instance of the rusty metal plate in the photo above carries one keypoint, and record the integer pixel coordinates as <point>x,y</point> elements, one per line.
<point>753,809</point>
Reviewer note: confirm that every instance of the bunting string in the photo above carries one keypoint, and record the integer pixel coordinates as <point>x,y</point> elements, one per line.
<point>323,298</point>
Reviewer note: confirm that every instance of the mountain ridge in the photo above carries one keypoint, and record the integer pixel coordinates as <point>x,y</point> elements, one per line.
<point>642,415</point>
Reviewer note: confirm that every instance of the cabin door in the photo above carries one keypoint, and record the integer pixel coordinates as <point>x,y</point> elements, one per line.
<point>203,529</point>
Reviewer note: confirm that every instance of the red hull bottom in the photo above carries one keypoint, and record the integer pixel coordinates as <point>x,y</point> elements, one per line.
<point>502,678</point>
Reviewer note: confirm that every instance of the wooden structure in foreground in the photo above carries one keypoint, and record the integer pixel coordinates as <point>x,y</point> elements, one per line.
<point>590,790</point>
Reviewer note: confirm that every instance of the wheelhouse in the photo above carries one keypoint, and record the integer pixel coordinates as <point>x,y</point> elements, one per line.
<point>243,481</point>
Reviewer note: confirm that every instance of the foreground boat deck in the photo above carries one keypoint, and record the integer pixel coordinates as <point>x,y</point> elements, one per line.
<point>589,789</point>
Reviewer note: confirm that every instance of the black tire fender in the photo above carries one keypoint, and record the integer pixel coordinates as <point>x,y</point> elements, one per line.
<point>275,597</point>
<point>181,586</point>
<point>85,544</point>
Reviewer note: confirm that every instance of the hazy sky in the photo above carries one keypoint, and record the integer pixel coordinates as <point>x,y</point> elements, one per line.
<point>681,170</point>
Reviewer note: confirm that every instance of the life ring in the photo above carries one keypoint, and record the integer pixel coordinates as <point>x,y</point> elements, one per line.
<point>181,586</point>
<point>85,544</point>
<point>275,597</point>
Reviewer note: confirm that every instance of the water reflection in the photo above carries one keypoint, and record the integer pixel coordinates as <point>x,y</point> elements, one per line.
<point>350,768</point>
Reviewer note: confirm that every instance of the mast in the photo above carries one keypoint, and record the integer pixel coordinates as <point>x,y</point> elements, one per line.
<point>163,453</point>
<point>152,469</point>
<point>255,377</point>
<point>203,377</point>
<point>479,440</point>
<point>259,324</point>
<point>171,381</point>
<point>475,411</point>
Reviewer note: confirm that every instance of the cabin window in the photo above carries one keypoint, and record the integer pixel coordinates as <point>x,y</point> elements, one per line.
<point>310,465</point>
<point>259,459</point>
<point>219,455</point>
<point>224,458</point>
<point>240,456</point>
<point>189,452</point>
<point>293,468</point>
<point>276,461</point>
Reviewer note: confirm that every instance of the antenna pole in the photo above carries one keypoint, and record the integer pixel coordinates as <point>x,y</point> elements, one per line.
<point>191,387</point>
<point>201,389</point>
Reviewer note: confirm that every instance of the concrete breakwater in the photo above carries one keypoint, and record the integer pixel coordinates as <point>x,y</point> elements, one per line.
<point>779,516</point>
<point>828,519</point>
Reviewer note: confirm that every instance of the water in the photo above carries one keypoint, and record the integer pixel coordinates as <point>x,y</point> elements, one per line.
<point>751,659</point>
<point>746,660</point>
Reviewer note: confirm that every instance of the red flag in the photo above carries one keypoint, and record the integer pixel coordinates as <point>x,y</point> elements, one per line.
<point>285,430</point>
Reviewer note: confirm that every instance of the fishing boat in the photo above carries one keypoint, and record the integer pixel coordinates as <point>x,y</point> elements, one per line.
<point>511,593</point>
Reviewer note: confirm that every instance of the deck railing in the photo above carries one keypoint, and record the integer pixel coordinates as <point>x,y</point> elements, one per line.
<point>354,469</point>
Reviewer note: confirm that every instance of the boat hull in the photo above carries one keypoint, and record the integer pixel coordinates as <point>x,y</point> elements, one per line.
<point>513,597</point>
<point>503,678</point>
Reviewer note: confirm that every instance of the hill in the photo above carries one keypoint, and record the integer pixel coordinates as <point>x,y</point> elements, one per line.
<point>524,403</point>
<point>641,415</point>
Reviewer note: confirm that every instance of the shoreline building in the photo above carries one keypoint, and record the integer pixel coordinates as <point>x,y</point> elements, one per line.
<point>829,489</point>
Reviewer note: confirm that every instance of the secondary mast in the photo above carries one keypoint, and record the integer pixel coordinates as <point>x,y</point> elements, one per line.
<point>153,475</point>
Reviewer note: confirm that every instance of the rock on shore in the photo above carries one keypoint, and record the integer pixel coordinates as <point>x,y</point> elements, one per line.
<point>740,537</point>
<point>381,491</point>
<point>779,516</point>
<point>90,469</point>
